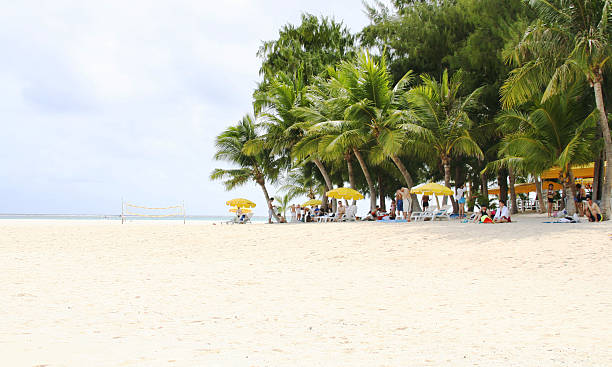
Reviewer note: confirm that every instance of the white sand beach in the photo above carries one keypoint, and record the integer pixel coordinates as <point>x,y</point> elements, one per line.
<point>87,293</point>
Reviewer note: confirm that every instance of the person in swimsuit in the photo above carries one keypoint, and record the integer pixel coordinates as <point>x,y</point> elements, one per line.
<point>459,196</point>
<point>550,195</point>
<point>400,202</point>
<point>425,202</point>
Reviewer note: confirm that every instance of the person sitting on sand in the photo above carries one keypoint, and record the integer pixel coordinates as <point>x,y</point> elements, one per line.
<point>592,210</point>
<point>502,215</point>
<point>479,213</point>
<point>373,215</point>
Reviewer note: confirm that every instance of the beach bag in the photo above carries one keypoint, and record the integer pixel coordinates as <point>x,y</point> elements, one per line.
<point>485,219</point>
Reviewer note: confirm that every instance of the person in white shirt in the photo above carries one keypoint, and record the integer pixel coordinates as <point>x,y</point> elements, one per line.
<point>459,196</point>
<point>407,203</point>
<point>502,215</point>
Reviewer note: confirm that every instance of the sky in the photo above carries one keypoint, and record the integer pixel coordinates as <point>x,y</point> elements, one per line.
<point>104,101</point>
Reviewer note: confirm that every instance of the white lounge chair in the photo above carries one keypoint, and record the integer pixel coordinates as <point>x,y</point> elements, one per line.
<point>349,216</point>
<point>441,214</point>
<point>421,216</point>
<point>234,220</point>
<point>247,218</point>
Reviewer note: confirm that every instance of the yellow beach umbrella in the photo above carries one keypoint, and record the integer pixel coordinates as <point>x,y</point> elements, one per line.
<point>243,203</point>
<point>431,189</point>
<point>344,193</point>
<point>244,210</point>
<point>313,202</point>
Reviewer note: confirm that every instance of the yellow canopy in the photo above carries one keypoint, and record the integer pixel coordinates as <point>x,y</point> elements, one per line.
<point>431,189</point>
<point>243,203</point>
<point>578,171</point>
<point>344,193</point>
<point>525,188</point>
<point>244,210</point>
<point>313,202</point>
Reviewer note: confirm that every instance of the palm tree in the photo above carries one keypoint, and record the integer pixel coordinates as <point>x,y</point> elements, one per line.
<point>284,201</point>
<point>442,119</point>
<point>283,129</point>
<point>335,137</point>
<point>558,132</point>
<point>570,41</point>
<point>300,182</point>
<point>374,107</point>
<point>258,167</point>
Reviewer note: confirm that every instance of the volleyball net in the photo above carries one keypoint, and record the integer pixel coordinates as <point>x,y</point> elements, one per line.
<point>129,210</point>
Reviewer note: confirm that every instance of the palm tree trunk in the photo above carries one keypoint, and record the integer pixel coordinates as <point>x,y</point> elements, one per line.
<point>539,192</point>
<point>381,194</point>
<point>597,184</point>
<point>328,182</point>
<point>447,177</point>
<point>265,191</point>
<point>502,180</point>
<point>514,207</point>
<point>605,130</point>
<point>485,186</point>
<point>415,202</point>
<point>351,172</point>
<point>368,178</point>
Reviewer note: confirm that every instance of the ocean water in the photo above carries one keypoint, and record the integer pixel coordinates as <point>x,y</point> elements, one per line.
<point>113,217</point>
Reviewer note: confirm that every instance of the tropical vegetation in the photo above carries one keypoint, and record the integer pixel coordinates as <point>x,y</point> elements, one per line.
<point>461,91</point>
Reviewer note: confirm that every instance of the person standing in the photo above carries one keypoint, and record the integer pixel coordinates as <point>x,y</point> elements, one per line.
<point>550,196</point>
<point>399,202</point>
<point>460,197</point>
<point>270,210</point>
<point>579,200</point>
<point>425,202</point>
<point>407,201</point>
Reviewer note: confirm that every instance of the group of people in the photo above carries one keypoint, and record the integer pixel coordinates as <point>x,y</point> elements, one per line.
<point>583,201</point>
<point>305,214</point>
<point>401,206</point>
<point>484,215</point>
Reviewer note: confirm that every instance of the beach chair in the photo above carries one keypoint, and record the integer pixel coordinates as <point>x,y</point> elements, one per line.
<point>234,220</point>
<point>421,216</point>
<point>350,214</point>
<point>247,218</point>
<point>441,214</point>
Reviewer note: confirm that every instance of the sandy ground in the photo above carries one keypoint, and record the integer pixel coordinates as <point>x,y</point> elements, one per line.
<point>354,294</point>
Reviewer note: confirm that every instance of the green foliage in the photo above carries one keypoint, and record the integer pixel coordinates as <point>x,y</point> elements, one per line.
<point>569,42</point>
<point>558,132</point>
<point>308,48</point>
